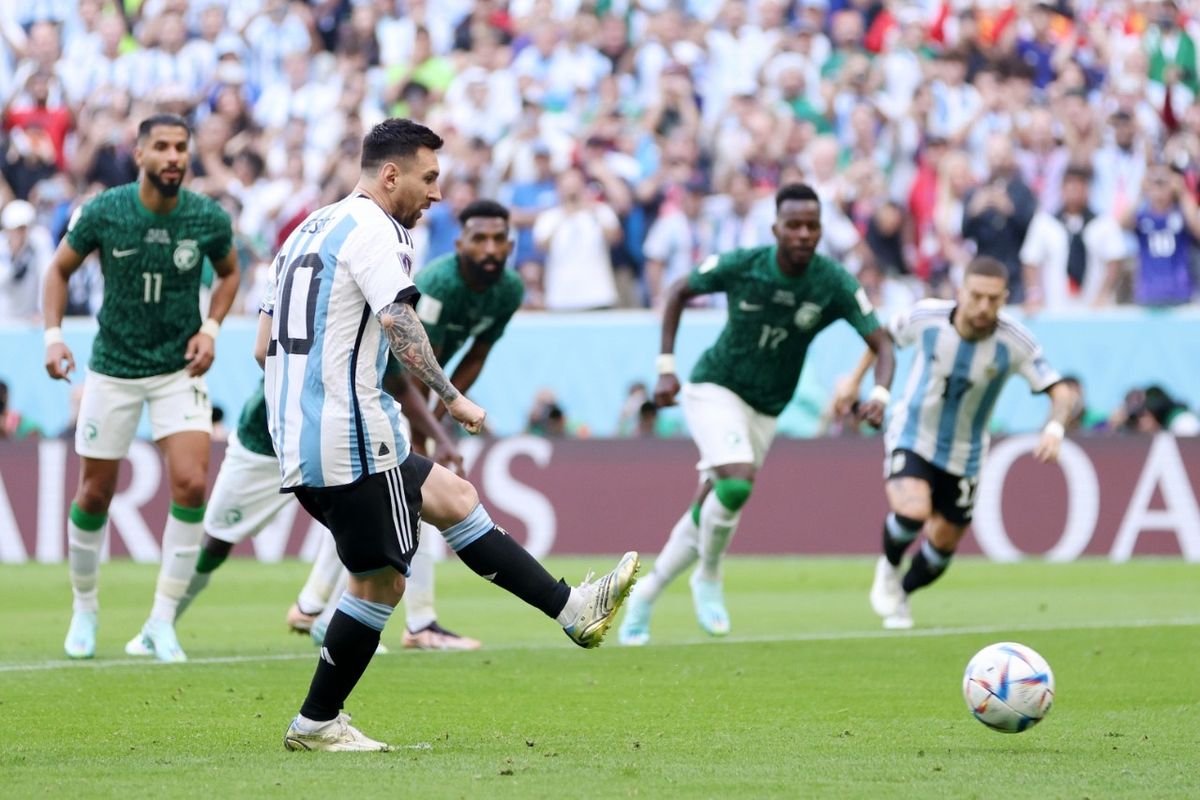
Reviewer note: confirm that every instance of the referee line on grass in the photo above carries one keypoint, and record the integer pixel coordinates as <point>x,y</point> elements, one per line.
<point>822,636</point>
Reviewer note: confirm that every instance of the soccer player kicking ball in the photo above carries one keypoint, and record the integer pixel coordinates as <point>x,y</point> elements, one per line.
<point>780,297</point>
<point>937,434</point>
<point>150,349</point>
<point>344,298</point>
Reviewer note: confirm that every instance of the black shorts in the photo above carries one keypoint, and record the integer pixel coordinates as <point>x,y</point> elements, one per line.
<point>376,521</point>
<point>953,496</point>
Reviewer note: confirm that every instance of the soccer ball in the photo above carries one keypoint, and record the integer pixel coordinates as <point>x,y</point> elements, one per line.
<point>1008,687</point>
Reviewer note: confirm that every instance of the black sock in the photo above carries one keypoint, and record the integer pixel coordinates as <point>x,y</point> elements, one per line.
<point>926,567</point>
<point>348,648</point>
<point>898,534</point>
<point>497,557</point>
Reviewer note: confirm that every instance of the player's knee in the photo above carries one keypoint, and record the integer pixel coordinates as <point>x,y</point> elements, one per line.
<point>909,524</point>
<point>94,497</point>
<point>733,492</point>
<point>188,489</point>
<point>462,499</point>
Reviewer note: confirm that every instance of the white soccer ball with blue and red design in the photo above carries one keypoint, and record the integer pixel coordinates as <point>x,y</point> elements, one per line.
<point>1008,687</point>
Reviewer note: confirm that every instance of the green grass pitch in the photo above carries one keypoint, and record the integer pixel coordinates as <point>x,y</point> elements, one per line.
<point>807,698</point>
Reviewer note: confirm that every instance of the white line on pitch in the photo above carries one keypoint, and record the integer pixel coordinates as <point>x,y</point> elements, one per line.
<point>823,636</point>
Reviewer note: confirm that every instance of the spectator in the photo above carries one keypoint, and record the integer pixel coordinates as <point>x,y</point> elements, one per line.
<point>675,243</point>
<point>14,426</point>
<point>1083,419</point>
<point>1167,224</point>
<point>1170,414</point>
<point>576,236</point>
<point>998,214</point>
<point>25,252</point>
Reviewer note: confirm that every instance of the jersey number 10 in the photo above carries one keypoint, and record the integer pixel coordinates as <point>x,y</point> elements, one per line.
<point>298,303</point>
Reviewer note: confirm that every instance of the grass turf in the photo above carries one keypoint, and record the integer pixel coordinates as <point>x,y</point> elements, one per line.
<point>808,698</point>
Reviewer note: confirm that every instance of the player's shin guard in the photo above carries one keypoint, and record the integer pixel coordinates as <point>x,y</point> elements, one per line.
<point>349,644</point>
<point>318,591</point>
<point>491,553</point>
<point>927,566</point>
<point>679,553</point>
<point>85,535</point>
<point>898,533</point>
<point>418,592</point>
<point>719,514</point>
<point>181,545</point>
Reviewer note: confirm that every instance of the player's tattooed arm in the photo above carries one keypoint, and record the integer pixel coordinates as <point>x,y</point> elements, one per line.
<point>407,340</point>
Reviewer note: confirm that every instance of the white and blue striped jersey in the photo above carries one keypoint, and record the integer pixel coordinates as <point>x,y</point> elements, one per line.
<point>943,413</point>
<point>331,422</point>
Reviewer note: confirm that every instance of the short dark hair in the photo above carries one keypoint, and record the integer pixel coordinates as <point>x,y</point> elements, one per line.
<point>154,121</point>
<point>396,138</point>
<point>988,267</point>
<point>1079,169</point>
<point>795,191</point>
<point>483,208</point>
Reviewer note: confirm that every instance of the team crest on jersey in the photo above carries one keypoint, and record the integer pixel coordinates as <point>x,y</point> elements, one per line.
<point>784,297</point>
<point>233,516</point>
<point>808,315</point>
<point>187,254</point>
<point>157,236</point>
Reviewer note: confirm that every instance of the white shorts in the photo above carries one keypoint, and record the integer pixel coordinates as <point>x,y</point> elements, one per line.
<point>724,427</point>
<point>111,408</point>
<point>246,496</point>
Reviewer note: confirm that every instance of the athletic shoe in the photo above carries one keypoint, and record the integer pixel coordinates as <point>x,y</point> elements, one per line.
<point>708,597</point>
<point>602,600</point>
<point>635,625</point>
<point>901,619</point>
<point>318,636</point>
<point>337,735</point>
<point>157,639</point>
<point>81,636</point>
<point>435,637</point>
<point>886,592</point>
<point>298,621</point>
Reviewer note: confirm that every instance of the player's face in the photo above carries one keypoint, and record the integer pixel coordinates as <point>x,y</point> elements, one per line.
<point>980,299</point>
<point>797,230</point>
<point>411,185</point>
<point>163,157</point>
<point>483,248</point>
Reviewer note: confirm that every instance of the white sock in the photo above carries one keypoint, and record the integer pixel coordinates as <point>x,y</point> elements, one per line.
<point>679,553</point>
<point>306,725</point>
<point>418,590</point>
<point>339,586</point>
<point>180,547</point>
<point>717,524</point>
<point>83,557</point>
<point>322,579</point>
<point>571,609</point>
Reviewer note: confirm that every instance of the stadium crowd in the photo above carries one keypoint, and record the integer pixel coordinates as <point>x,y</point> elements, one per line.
<point>631,137</point>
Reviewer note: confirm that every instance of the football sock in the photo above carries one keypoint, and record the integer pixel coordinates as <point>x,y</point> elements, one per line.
<point>85,534</point>
<point>719,514</point>
<point>490,552</point>
<point>927,566</point>
<point>317,592</point>
<point>212,555</point>
<point>898,533</point>
<point>418,593</point>
<point>181,546</point>
<point>677,555</point>
<point>349,645</point>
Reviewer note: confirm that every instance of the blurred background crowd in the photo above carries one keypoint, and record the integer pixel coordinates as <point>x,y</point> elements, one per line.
<point>633,137</point>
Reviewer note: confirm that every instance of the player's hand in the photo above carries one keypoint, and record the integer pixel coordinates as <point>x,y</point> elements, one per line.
<point>871,412</point>
<point>446,453</point>
<point>469,415</point>
<point>1047,449</point>
<point>845,392</point>
<point>201,350</point>
<point>59,362</point>
<point>666,389</point>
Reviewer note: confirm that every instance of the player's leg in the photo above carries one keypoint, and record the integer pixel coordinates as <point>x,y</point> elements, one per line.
<point>909,495</point>
<point>108,417</point>
<point>422,631</point>
<point>451,504</point>
<point>319,588</point>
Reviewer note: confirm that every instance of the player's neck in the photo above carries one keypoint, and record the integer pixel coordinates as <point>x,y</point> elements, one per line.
<point>364,189</point>
<point>155,201</point>
<point>789,269</point>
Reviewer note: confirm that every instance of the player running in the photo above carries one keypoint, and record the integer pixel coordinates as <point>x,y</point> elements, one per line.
<point>937,434</point>
<point>779,298</point>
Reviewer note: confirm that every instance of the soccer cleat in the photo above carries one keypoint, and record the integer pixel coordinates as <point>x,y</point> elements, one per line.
<point>435,637</point>
<point>901,619</point>
<point>337,735</point>
<point>157,638</point>
<point>709,600</point>
<point>602,600</point>
<point>886,592</point>
<point>318,637</point>
<point>635,625</point>
<point>298,621</point>
<point>81,636</point>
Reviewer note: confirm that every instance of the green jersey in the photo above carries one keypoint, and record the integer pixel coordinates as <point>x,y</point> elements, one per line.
<point>772,320</point>
<point>452,313</point>
<point>252,430</point>
<point>151,266</point>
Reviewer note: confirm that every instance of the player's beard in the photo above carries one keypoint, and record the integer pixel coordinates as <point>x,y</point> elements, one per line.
<point>480,272</point>
<point>165,188</point>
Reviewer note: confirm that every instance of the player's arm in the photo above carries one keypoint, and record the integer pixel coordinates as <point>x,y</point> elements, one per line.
<point>880,353</point>
<point>262,338</point>
<point>408,342</point>
<point>425,425</point>
<point>60,363</point>
<point>1062,400</point>
<point>202,347</point>
<point>668,382</point>
<point>467,371</point>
